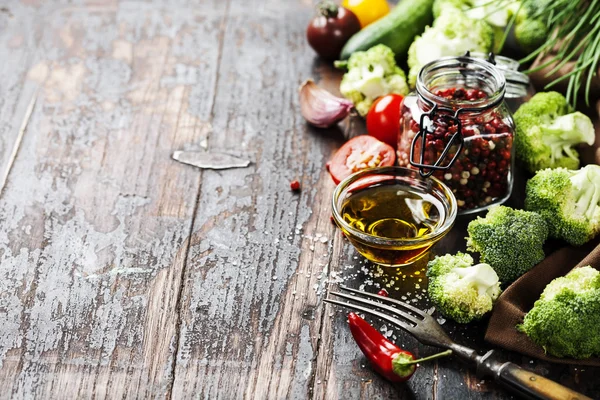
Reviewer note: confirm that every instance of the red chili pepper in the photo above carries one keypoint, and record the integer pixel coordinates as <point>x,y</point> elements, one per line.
<point>390,361</point>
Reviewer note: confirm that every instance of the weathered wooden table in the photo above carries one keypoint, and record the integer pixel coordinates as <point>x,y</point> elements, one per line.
<point>124,274</point>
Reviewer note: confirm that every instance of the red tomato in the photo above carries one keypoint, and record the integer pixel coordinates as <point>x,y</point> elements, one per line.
<point>383,119</point>
<point>358,153</point>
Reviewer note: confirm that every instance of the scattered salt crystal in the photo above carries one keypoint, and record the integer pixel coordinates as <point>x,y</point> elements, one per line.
<point>441,320</point>
<point>274,278</point>
<point>324,239</point>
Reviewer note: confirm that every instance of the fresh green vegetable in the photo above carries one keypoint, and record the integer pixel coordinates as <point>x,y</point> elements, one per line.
<point>452,34</point>
<point>496,14</point>
<point>566,318</point>
<point>569,200</point>
<point>530,30</point>
<point>460,290</point>
<point>371,74</point>
<point>396,30</point>
<point>509,240</point>
<point>573,28</point>
<point>548,130</point>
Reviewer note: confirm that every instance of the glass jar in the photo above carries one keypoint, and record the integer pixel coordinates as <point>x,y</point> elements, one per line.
<point>519,89</point>
<point>457,127</point>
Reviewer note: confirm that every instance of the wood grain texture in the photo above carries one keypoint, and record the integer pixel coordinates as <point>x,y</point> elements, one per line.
<point>124,274</point>
<point>95,217</point>
<point>250,313</point>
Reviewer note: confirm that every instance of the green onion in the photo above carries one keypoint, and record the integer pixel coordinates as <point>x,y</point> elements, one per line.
<point>574,38</point>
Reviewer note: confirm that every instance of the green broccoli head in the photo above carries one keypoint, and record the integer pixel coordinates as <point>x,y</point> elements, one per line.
<point>530,29</point>
<point>452,34</point>
<point>371,74</point>
<point>569,200</point>
<point>565,320</point>
<point>460,290</point>
<point>547,132</point>
<point>511,241</point>
<point>531,34</point>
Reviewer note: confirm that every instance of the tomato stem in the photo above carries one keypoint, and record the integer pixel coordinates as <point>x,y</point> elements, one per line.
<point>328,9</point>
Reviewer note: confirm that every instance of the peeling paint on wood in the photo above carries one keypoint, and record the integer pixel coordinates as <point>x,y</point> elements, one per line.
<point>124,274</point>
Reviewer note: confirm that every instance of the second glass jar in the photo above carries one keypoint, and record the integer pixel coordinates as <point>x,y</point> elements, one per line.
<point>457,128</point>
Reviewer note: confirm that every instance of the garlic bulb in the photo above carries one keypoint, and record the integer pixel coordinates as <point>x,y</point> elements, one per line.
<point>319,107</point>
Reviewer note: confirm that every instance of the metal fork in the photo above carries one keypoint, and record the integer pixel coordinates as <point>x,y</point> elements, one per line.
<point>427,330</point>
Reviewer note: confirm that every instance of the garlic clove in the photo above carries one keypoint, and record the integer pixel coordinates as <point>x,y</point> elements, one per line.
<point>319,107</point>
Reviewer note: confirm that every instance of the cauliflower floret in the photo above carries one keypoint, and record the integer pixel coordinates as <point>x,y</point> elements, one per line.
<point>452,34</point>
<point>371,74</point>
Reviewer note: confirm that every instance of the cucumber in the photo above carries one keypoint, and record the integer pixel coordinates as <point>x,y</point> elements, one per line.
<point>396,30</point>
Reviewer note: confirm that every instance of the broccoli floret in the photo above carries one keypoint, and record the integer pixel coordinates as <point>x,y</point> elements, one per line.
<point>452,34</point>
<point>511,241</point>
<point>547,132</point>
<point>371,74</point>
<point>569,200</point>
<point>565,320</point>
<point>530,34</point>
<point>460,290</point>
<point>530,29</point>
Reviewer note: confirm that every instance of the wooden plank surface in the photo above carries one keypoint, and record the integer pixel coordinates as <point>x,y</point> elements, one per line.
<point>127,275</point>
<point>95,217</point>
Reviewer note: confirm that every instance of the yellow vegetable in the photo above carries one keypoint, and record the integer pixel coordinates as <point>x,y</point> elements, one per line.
<point>367,11</point>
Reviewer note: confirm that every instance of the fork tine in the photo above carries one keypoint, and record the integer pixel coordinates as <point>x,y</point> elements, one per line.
<point>382,306</point>
<point>389,300</point>
<point>375,313</point>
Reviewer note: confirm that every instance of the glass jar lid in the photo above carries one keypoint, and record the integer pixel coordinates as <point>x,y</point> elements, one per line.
<point>517,83</point>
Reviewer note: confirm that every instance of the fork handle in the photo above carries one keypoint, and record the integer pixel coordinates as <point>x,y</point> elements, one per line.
<point>534,386</point>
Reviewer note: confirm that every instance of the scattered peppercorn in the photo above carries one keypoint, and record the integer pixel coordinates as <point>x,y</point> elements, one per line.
<point>383,293</point>
<point>295,186</point>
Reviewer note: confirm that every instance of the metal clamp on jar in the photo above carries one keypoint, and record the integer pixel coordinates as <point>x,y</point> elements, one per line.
<point>458,128</point>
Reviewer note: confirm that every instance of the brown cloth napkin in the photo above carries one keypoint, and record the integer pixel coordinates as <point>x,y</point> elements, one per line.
<point>519,297</point>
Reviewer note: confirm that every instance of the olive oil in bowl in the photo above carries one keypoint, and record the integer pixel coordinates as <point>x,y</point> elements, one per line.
<point>393,219</point>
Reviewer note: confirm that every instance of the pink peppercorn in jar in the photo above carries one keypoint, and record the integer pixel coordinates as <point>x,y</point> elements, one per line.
<point>457,127</point>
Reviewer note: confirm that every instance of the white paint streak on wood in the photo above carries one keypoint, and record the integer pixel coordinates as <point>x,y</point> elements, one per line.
<point>95,217</point>
<point>18,139</point>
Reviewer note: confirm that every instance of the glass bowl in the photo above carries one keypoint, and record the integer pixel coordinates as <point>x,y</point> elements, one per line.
<point>392,215</point>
